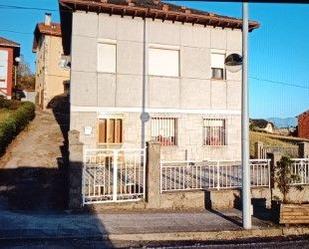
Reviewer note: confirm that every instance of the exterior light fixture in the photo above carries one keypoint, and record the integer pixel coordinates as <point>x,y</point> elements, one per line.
<point>233,63</point>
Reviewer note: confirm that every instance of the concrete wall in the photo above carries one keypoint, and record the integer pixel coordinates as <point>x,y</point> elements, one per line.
<point>189,97</point>
<point>50,77</point>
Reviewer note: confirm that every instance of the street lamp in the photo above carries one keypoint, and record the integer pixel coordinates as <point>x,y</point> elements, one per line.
<point>246,181</point>
<point>17,60</point>
<point>234,63</point>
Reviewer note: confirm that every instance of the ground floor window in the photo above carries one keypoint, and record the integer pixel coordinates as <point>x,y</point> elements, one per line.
<point>214,132</point>
<point>163,130</point>
<point>110,131</point>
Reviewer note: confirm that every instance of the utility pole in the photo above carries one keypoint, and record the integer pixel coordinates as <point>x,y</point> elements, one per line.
<point>246,181</point>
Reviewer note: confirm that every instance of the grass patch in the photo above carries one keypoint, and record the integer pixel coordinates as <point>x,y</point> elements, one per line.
<point>272,140</point>
<point>14,117</point>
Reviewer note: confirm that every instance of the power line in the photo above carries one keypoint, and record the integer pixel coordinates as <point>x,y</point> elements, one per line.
<point>16,32</point>
<point>15,7</point>
<point>280,83</point>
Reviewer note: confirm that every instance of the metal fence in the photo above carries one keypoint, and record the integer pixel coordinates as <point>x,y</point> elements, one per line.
<point>300,167</point>
<point>190,175</point>
<point>113,175</point>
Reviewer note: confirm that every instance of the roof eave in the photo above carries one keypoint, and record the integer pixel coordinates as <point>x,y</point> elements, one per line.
<point>207,20</point>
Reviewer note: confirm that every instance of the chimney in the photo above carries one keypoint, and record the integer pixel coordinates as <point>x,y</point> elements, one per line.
<point>47,19</point>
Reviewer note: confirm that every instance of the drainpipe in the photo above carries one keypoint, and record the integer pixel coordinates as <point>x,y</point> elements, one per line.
<point>246,198</point>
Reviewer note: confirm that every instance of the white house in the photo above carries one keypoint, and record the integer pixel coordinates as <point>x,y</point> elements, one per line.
<point>149,70</point>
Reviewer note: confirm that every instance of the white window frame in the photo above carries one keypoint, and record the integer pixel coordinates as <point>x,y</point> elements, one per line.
<point>170,133</point>
<point>107,42</point>
<point>215,130</point>
<point>222,67</point>
<point>163,47</point>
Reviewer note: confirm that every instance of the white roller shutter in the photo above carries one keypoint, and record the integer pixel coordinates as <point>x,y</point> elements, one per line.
<point>107,58</point>
<point>217,60</point>
<point>163,62</point>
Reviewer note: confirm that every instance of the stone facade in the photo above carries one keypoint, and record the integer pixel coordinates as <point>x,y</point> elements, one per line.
<point>50,77</point>
<point>189,98</point>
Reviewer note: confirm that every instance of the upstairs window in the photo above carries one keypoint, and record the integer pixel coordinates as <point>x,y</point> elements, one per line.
<point>110,131</point>
<point>163,62</point>
<point>163,130</point>
<point>214,132</point>
<point>106,57</point>
<point>217,66</point>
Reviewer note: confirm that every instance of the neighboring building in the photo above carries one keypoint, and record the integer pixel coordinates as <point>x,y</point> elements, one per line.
<point>162,77</point>
<point>303,125</point>
<point>51,77</point>
<point>262,125</point>
<point>289,131</point>
<point>9,51</point>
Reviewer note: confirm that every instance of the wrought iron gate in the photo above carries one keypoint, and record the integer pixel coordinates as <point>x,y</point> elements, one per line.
<point>113,175</point>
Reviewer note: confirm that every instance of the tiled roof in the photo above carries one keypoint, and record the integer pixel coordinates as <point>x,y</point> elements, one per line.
<point>261,123</point>
<point>7,43</point>
<point>303,113</point>
<point>157,10</point>
<point>54,29</point>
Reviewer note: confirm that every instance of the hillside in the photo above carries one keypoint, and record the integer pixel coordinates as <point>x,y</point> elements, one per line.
<point>283,122</point>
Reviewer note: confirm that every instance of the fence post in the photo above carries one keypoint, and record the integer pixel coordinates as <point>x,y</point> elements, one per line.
<point>153,169</point>
<point>274,158</point>
<point>115,174</point>
<point>258,147</point>
<point>75,170</point>
<point>269,173</point>
<point>218,175</point>
<point>303,150</point>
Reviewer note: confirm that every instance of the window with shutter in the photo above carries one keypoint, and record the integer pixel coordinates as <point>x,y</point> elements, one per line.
<point>217,66</point>
<point>163,62</point>
<point>106,58</point>
<point>110,131</point>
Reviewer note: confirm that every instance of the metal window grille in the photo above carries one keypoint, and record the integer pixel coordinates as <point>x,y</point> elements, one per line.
<point>214,132</point>
<point>163,130</point>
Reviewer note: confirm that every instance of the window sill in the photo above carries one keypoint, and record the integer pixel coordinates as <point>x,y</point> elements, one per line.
<point>164,76</point>
<point>217,79</point>
<point>215,146</point>
<point>102,72</point>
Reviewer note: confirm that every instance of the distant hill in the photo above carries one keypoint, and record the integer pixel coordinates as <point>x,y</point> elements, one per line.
<point>283,122</point>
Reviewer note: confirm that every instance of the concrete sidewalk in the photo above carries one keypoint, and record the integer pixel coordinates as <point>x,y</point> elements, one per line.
<point>123,226</point>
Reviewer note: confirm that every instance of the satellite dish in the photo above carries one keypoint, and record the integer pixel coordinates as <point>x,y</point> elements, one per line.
<point>233,63</point>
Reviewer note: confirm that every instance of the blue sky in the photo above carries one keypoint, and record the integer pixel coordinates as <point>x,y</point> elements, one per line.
<point>279,50</point>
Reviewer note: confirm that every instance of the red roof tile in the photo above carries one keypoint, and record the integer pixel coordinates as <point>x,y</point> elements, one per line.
<point>155,9</point>
<point>54,29</point>
<point>7,43</point>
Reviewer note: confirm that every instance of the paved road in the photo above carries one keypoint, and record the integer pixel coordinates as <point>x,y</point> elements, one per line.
<point>286,243</point>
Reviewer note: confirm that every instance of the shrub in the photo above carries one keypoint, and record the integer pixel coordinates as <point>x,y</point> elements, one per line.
<point>15,123</point>
<point>285,176</point>
<point>9,104</point>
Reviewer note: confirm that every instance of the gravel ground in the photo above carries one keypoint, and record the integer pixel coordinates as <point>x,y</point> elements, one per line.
<point>31,177</point>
